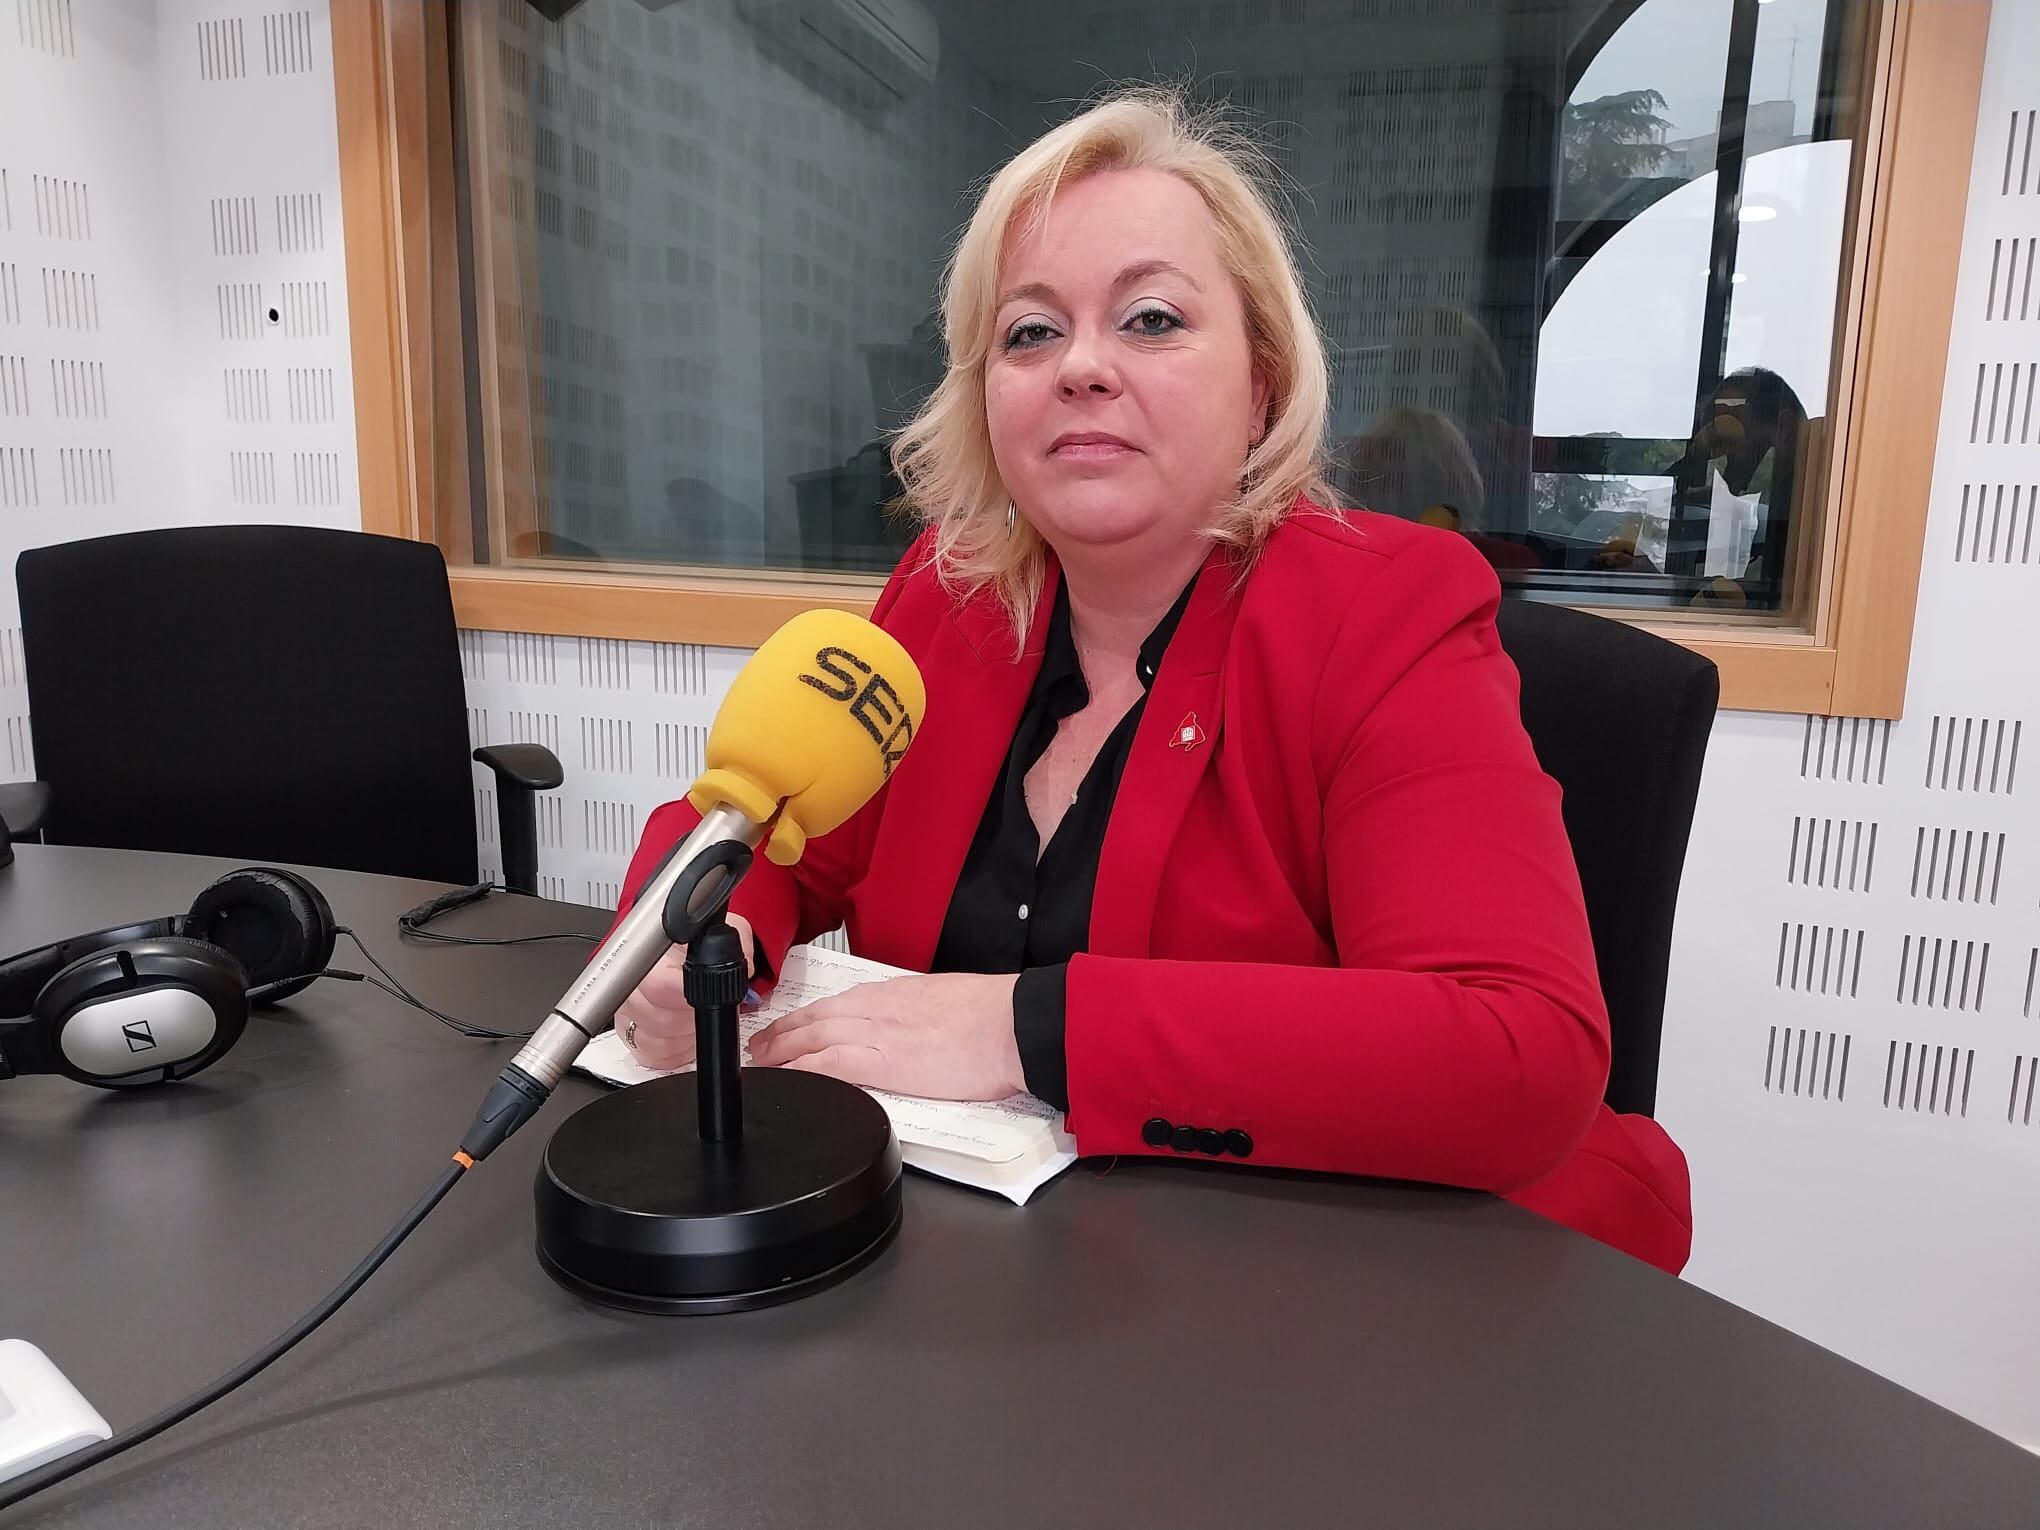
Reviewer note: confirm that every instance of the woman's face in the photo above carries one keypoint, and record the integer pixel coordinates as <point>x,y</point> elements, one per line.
<point>1120,390</point>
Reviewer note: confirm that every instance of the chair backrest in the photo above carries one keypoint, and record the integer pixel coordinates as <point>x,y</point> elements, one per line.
<point>1620,719</point>
<point>279,693</point>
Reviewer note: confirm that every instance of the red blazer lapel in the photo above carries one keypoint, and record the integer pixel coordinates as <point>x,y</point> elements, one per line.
<point>976,690</point>
<point>1178,736</point>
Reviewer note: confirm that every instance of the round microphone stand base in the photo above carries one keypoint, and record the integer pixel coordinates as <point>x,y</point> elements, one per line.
<point>637,1210</point>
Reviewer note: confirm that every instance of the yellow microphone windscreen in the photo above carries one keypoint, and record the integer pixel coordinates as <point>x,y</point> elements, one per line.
<point>812,727</point>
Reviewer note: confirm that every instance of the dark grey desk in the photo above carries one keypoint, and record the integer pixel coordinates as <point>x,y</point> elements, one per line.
<point>1148,1344</point>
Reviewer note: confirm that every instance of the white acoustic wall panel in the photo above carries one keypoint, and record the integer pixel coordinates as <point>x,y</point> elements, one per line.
<point>1851,1043</point>
<point>173,320</point>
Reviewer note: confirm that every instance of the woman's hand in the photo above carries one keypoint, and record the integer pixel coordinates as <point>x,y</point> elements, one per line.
<point>656,1022</point>
<point>948,1036</point>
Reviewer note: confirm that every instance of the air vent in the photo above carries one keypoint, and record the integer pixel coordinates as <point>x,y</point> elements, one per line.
<point>305,311</point>
<point>2025,1074</point>
<point>1822,959</point>
<point>233,226</point>
<point>63,209</point>
<point>605,663</point>
<point>536,728</point>
<point>1958,865</point>
<point>473,655</point>
<point>552,887</point>
<point>2001,413</point>
<point>603,894</point>
<point>1928,1078</point>
<point>20,750</point>
<point>606,745</point>
<point>2012,260</point>
<point>610,828</point>
<point>1809,1064</point>
<point>1973,754</point>
<point>253,475</point>
<point>45,25</point>
<point>17,478</point>
<point>240,310</point>
<point>70,299</point>
<point>2001,528</point>
<point>14,402</point>
<point>2032,1009</point>
<point>2018,156</point>
<point>1835,853</point>
<point>1845,749</point>
<point>10,657</point>
<point>287,42</point>
<point>10,292</point>
<point>311,395</point>
<point>485,814</point>
<point>87,473</point>
<point>247,395</point>
<point>534,658</point>
<point>1943,973</point>
<point>222,50</point>
<point>679,669</point>
<point>301,223</point>
<point>677,750</point>
<point>478,727</point>
<point>78,389</point>
<point>552,831</point>
<point>317,478</point>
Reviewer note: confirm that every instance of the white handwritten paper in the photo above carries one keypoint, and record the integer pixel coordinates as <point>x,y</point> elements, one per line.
<point>1012,1146</point>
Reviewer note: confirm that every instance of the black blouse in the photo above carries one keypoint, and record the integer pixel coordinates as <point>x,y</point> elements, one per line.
<point>1019,907</point>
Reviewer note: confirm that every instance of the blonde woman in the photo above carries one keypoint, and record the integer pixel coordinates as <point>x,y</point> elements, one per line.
<point>1222,831</point>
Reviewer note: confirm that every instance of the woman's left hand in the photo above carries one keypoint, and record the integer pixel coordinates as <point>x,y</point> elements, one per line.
<point>946,1036</point>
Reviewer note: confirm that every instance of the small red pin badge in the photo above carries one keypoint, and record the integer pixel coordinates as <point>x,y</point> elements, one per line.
<point>1187,735</point>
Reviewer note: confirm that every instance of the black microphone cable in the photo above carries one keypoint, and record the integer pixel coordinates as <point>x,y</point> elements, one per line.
<point>31,1483</point>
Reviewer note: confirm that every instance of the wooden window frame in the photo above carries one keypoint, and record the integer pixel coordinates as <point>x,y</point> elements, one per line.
<point>395,131</point>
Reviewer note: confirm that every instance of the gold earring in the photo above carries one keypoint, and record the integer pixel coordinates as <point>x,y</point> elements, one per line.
<point>1009,517</point>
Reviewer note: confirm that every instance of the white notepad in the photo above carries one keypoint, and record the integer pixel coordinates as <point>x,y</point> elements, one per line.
<point>1012,1147</point>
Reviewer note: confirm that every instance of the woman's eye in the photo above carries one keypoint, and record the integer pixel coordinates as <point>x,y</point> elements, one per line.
<point>1153,322</point>
<point>1030,332</point>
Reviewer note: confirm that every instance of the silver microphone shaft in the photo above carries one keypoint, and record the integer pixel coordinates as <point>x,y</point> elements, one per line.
<point>630,951</point>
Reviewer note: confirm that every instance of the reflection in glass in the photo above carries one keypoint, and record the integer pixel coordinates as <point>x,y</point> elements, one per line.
<point>1577,261</point>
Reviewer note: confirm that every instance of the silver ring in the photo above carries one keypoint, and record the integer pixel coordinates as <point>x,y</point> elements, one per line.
<point>630,1034</point>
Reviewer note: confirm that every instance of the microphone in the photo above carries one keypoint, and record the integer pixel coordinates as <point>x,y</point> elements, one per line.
<point>813,726</point>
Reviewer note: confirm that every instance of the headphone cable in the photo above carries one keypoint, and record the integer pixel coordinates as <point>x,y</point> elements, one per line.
<point>392,985</point>
<point>30,1483</point>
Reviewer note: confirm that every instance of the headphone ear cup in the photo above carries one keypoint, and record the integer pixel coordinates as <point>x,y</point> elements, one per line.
<point>164,996</point>
<point>275,923</point>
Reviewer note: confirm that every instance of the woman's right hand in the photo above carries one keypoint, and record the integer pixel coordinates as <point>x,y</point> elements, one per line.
<point>656,1022</point>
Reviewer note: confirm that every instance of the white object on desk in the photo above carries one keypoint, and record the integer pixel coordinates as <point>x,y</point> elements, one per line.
<point>42,1416</point>
<point>1011,1147</point>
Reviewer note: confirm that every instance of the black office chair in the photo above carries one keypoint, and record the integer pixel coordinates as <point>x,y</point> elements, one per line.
<point>280,693</point>
<point>1620,719</point>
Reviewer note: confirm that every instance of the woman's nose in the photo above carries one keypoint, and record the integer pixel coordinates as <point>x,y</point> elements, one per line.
<point>1086,369</point>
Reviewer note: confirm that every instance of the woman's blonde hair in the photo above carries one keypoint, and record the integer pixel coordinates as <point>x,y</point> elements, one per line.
<point>944,454</point>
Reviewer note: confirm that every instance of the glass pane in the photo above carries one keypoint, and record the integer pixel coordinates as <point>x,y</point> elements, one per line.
<point>1577,262</point>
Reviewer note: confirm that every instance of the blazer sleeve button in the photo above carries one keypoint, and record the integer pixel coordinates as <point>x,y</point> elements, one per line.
<point>1238,1143</point>
<point>1155,1132</point>
<point>1184,1139</point>
<point>1211,1141</point>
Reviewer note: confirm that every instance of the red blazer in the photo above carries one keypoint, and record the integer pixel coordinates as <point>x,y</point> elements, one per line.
<point>1345,920</point>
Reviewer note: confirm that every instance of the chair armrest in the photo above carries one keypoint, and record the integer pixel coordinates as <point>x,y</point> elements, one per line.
<point>521,771</point>
<point>24,806</point>
<point>531,766</point>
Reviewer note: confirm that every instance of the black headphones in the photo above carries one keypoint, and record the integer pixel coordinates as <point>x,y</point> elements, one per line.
<point>148,1003</point>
